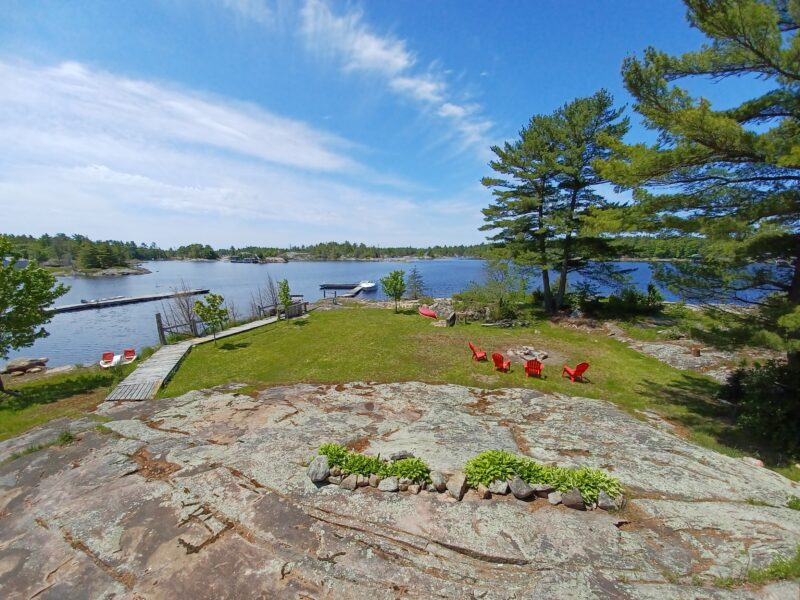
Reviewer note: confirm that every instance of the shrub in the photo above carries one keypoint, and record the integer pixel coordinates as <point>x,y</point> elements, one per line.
<point>632,301</point>
<point>794,503</point>
<point>768,407</point>
<point>491,465</point>
<point>353,462</point>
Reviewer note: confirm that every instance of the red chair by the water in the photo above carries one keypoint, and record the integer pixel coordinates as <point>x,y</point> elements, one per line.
<point>499,363</point>
<point>476,353</point>
<point>128,356</point>
<point>108,359</point>
<point>427,312</point>
<point>533,367</point>
<point>576,373</point>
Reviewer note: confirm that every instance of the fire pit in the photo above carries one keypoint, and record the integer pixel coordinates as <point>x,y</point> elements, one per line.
<point>525,353</point>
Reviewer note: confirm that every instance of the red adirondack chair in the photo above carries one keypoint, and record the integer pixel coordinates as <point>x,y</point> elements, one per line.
<point>533,367</point>
<point>576,373</point>
<point>499,363</point>
<point>476,353</point>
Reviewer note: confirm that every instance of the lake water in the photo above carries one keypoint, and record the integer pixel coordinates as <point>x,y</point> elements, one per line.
<point>81,337</point>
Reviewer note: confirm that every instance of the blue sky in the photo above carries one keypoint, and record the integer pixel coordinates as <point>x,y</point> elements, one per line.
<point>273,122</point>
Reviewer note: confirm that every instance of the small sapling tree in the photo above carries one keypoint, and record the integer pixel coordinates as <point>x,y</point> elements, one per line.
<point>394,286</point>
<point>285,296</point>
<point>25,298</point>
<point>211,311</point>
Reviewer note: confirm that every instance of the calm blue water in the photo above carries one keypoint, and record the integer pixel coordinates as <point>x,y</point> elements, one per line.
<point>81,337</point>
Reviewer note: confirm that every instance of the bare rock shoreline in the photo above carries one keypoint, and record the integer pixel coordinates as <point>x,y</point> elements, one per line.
<point>206,496</point>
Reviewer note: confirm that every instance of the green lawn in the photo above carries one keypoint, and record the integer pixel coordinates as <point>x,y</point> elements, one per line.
<point>370,344</point>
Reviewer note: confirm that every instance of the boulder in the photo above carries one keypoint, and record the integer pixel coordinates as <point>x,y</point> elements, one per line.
<point>554,498</point>
<point>350,482</point>
<point>499,486</point>
<point>457,485</point>
<point>318,470</point>
<point>520,488</point>
<point>439,481</point>
<point>390,484</point>
<point>606,502</point>
<point>573,499</point>
<point>483,492</point>
<point>543,490</point>
<point>23,364</point>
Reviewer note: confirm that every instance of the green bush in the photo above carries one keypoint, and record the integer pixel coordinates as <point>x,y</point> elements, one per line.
<point>491,465</point>
<point>632,301</point>
<point>794,503</point>
<point>767,404</point>
<point>353,462</point>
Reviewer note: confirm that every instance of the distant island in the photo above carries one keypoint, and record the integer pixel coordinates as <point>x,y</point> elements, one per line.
<point>78,255</point>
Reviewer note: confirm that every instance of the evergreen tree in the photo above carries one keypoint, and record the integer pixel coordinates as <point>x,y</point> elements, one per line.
<point>728,175</point>
<point>544,200</point>
<point>285,296</point>
<point>414,284</point>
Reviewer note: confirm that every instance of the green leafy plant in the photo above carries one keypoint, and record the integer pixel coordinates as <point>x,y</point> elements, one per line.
<point>213,314</point>
<point>491,465</point>
<point>794,503</point>
<point>349,462</point>
<point>65,437</point>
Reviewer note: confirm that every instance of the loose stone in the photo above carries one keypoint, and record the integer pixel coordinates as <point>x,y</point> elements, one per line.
<point>318,470</point>
<point>374,480</point>
<point>362,481</point>
<point>429,487</point>
<point>543,490</point>
<point>520,488</point>
<point>401,455</point>
<point>405,480</point>
<point>337,479</point>
<point>606,502</point>
<point>350,482</point>
<point>573,499</point>
<point>457,485</point>
<point>335,470</point>
<point>390,484</point>
<point>484,492</point>
<point>439,481</point>
<point>499,486</point>
<point>554,498</point>
<point>413,488</point>
<point>403,486</point>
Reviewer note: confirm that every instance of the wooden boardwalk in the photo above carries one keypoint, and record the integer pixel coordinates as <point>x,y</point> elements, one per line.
<point>150,375</point>
<point>95,304</point>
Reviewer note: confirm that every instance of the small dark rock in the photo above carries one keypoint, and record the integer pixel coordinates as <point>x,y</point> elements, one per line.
<point>350,482</point>
<point>543,490</point>
<point>520,488</point>
<point>573,499</point>
<point>401,455</point>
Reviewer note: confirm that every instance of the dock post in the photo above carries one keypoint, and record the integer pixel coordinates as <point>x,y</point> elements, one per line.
<point>160,326</point>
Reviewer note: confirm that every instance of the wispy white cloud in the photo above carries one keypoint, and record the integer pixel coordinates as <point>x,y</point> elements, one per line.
<point>113,157</point>
<point>254,10</point>
<point>361,49</point>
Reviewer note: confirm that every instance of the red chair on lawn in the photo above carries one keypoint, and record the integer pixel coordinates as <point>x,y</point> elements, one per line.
<point>499,363</point>
<point>533,367</point>
<point>576,373</point>
<point>476,353</point>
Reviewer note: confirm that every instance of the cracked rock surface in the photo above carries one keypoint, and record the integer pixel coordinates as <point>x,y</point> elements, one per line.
<point>207,496</point>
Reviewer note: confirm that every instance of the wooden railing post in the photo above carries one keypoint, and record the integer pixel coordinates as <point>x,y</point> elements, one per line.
<point>161,337</point>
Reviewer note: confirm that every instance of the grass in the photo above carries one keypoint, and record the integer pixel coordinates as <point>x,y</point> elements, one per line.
<point>372,344</point>
<point>71,395</point>
<point>64,438</point>
<point>785,567</point>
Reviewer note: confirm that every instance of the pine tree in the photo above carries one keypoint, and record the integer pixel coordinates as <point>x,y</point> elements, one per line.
<point>414,284</point>
<point>545,197</point>
<point>727,175</point>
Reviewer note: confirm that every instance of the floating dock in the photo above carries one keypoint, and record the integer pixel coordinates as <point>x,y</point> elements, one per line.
<point>107,302</point>
<point>351,289</point>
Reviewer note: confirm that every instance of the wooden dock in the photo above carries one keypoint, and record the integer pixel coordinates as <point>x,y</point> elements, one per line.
<point>107,302</point>
<point>151,374</point>
<point>351,289</point>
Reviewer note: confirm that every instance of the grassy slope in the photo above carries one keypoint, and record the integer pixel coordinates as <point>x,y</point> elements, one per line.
<point>377,345</point>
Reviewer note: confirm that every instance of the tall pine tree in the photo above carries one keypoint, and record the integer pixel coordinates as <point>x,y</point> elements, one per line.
<point>546,193</point>
<point>728,175</point>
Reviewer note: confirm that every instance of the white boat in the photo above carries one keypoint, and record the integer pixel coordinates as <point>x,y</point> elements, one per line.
<point>367,285</point>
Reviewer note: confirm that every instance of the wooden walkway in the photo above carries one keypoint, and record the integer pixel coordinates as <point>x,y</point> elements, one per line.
<point>150,375</point>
